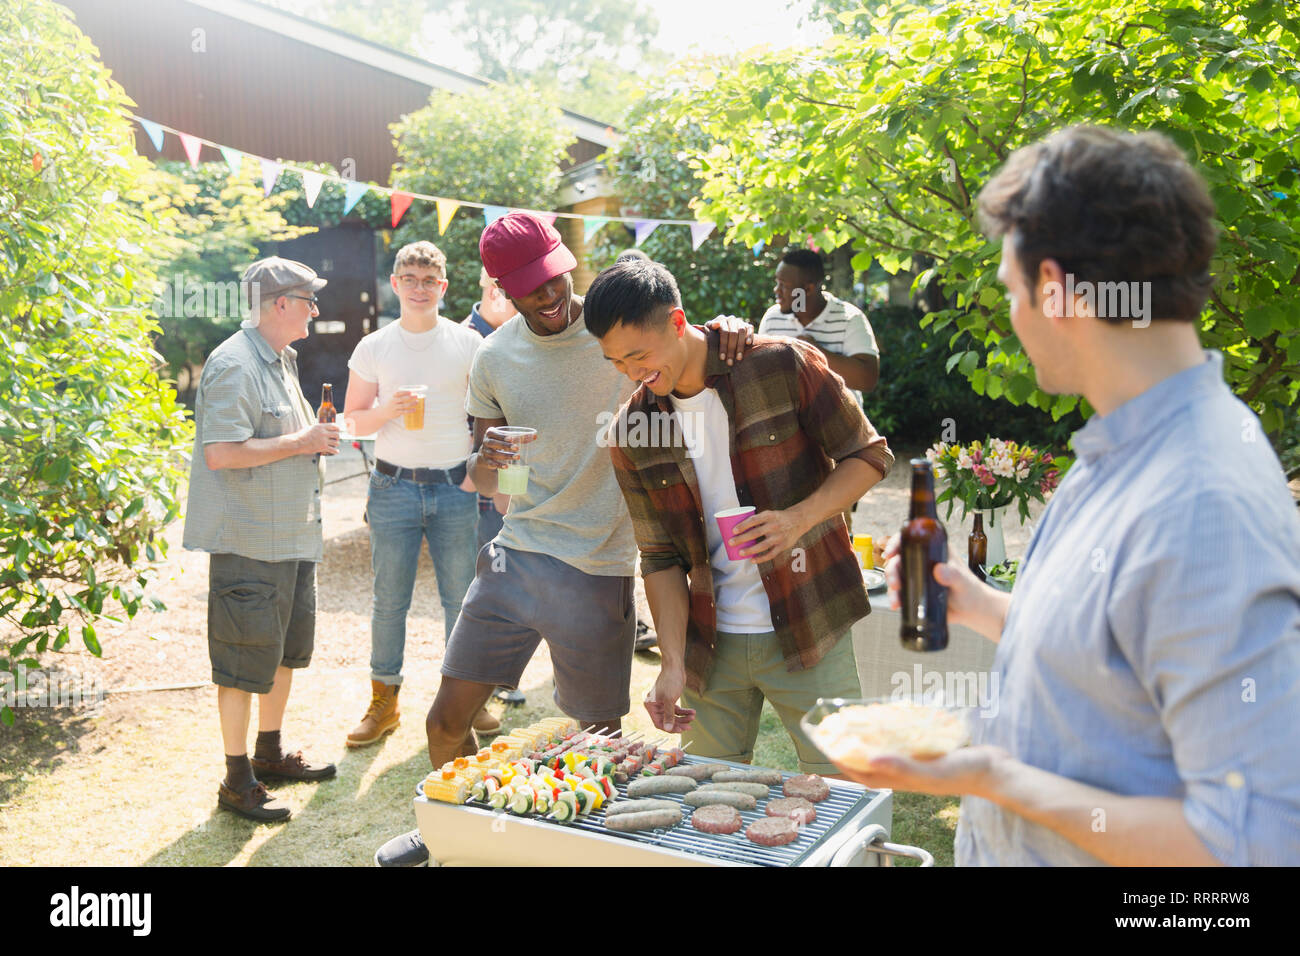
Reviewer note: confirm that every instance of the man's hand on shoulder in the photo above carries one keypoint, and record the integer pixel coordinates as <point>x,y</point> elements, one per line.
<point>736,335</point>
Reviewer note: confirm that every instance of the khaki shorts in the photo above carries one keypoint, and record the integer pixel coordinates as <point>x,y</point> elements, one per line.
<point>261,615</point>
<point>748,668</point>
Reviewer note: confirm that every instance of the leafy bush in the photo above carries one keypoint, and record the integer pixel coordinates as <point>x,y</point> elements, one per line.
<point>91,439</point>
<point>650,173</point>
<point>501,145</point>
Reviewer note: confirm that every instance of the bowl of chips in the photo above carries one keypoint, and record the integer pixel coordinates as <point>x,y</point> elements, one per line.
<point>854,732</point>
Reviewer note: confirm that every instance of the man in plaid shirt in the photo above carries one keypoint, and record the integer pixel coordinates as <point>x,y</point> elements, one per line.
<point>779,432</point>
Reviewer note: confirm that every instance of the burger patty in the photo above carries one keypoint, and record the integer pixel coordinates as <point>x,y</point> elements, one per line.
<point>773,831</point>
<point>716,818</point>
<point>807,785</point>
<point>794,808</point>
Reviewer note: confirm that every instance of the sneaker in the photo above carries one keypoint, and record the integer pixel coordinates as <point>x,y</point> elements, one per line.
<point>508,696</point>
<point>645,638</point>
<point>405,850</point>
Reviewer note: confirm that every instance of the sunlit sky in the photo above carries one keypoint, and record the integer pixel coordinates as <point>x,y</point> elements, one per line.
<point>702,26</point>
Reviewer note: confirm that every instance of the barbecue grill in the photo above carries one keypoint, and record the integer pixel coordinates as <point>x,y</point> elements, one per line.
<point>852,829</point>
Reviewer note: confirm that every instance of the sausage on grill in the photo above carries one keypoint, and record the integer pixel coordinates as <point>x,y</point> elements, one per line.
<point>717,819</point>
<point>650,786</point>
<point>697,771</point>
<point>773,831</point>
<point>756,790</point>
<point>637,806</point>
<point>770,777</point>
<point>809,786</point>
<point>645,820</point>
<point>707,795</point>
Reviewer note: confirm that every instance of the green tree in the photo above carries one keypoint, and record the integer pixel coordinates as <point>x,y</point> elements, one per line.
<point>653,178</point>
<point>213,225</point>
<point>587,52</point>
<point>91,439</point>
<point>884,134</point>
<point>501,145</point>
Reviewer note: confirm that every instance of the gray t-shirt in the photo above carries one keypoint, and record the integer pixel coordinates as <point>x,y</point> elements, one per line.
<point>562,386</point>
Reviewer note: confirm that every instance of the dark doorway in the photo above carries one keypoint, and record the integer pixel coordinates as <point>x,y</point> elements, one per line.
<point>345,255</point>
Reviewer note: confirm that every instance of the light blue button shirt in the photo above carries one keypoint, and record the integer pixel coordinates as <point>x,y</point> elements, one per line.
<point>1152,646</point>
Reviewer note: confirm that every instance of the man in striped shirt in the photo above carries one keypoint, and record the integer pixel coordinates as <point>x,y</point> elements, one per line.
<point>837,328</point>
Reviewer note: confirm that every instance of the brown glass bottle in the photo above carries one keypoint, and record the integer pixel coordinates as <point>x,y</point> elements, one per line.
<point>326,412</point>
<point>977,547</point>
<point>922,545</point>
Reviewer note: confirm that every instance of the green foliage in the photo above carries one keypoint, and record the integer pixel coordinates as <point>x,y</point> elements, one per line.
<point>651,175</point>
<point>91,439</point>
<point>501,145</point>
<point>213,225</point>
<point>884,134</point>
<point>917,393</point>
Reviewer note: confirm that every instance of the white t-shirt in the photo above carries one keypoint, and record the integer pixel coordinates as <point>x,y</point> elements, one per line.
<point>840,329</point>
<point>440,359</point>
<point>739,599</point>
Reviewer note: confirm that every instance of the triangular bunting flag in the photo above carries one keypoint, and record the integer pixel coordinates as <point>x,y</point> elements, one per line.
<point>492,213</point>
<point>155,133</point>
<point>591,225</point>
<point>699,232</point>
<point>311,183</point>
<point>352,194</point>
<point>812,244</point>
<point>643,228</point>
<point>193,146</point>
<point>758,247</point>
<point>446,209</point>
<point>270,173</point>
<point>401,203</point>
<point>233,158</point>
<point>546,217</point>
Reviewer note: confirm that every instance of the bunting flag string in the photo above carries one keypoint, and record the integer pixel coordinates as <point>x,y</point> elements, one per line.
<point>401,200</point>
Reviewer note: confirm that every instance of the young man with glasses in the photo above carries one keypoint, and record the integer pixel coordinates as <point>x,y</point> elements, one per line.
<point>255,505</point>
<point>418,489</point>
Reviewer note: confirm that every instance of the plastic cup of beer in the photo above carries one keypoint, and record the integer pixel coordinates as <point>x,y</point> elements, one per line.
<point>727,521</point>
<point>513,478</point>
<point>862,547</point>
<point>413,420</point>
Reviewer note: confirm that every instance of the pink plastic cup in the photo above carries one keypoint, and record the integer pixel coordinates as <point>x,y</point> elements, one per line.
<point>727,521</point>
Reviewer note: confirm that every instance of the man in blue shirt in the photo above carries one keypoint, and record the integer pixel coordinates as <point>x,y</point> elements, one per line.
<point>1148,661</point>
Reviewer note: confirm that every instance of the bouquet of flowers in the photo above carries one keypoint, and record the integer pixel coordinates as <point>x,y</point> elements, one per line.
<point>993,474</point>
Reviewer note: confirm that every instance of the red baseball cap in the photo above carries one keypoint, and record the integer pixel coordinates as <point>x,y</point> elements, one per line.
<point>522,252</point>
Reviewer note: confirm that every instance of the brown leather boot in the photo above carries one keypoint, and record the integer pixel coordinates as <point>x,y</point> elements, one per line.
<point>382,717</point>
<point>485,723</point>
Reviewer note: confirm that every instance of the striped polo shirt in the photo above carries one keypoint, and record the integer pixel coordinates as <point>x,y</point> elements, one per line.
<point>840,329</point>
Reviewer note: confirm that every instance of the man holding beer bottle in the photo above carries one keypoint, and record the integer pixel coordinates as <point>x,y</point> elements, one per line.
<point>765,610</point>
<point>408,383</point>
<point>1147,660</point>
<point>255,505</point>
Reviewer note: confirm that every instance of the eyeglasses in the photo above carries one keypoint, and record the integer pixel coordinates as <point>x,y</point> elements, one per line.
<point>313,302</point>
<point>411,283</point>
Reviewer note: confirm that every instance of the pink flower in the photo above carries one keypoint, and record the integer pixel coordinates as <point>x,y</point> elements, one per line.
<point>1047,458</point>
<point>984,475</point>
<point>977,456</point>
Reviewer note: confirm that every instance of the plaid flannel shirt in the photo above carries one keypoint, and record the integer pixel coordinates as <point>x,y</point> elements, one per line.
<point>792,419</point>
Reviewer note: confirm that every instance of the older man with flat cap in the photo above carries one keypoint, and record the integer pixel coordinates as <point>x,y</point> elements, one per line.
<point>255,505</point>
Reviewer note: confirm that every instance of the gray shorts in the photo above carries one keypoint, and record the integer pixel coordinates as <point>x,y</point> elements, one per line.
<point>261,615</point>
<point>520,598</point>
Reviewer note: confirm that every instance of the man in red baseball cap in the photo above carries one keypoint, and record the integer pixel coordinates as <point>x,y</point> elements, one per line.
<point>560,570</point>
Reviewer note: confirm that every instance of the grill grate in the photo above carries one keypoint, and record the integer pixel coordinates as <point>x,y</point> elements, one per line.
<point>842,804</point>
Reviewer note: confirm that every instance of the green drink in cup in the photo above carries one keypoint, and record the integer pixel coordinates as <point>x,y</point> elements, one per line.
<point>513,478</point>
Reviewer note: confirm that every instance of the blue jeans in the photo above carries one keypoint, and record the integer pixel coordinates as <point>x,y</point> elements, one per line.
<point>401,513</point>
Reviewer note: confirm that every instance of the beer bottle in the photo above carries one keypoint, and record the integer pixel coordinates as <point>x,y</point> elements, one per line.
<point>327,412</point>
<point>922,545</point>
<point>977,547</point>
